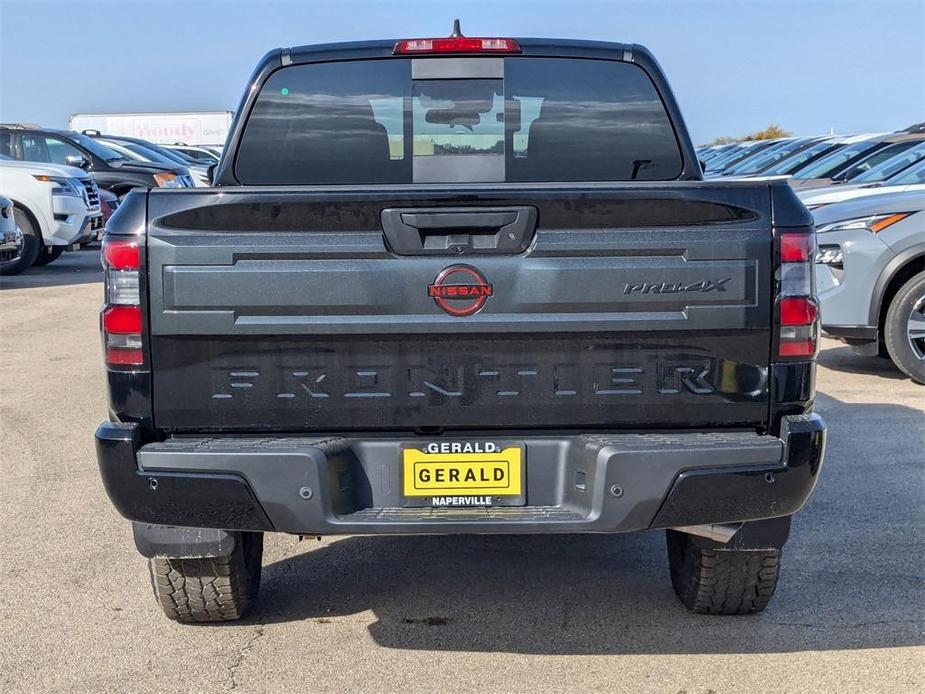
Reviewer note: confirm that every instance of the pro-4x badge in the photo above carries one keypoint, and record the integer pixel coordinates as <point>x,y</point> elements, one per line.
<point>460,290</point>
<point>702,286</point>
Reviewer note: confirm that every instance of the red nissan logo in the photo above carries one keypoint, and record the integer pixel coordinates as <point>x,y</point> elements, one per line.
<point>460,290</point>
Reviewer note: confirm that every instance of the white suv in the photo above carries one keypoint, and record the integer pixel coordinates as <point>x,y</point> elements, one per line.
<point>55,206</point>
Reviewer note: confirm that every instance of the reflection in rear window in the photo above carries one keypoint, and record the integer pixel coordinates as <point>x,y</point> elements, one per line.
<point>548,119</point>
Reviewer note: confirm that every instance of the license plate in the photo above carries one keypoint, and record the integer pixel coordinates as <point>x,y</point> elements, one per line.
<point>463,473</point>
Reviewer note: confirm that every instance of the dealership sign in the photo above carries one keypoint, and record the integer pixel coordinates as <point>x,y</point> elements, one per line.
<point>207,128</point>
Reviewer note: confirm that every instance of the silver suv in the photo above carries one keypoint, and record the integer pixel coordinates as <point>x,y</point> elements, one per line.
<point>870,274</point>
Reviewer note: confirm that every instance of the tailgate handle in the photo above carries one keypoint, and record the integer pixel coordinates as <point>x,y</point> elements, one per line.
<point>458,230</point>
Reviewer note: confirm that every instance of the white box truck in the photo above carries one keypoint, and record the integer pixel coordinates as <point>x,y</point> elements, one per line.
<point>191,127</point>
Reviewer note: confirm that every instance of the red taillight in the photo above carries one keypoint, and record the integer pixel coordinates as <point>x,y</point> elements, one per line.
<point>121,254</point>
<point>796,247</point>
<point>122,321</point>
<point>456,44</point>
<point>798,348</point>
<point>797,310</point>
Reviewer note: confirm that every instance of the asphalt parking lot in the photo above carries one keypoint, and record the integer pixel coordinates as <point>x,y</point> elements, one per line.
<point>498,614</point>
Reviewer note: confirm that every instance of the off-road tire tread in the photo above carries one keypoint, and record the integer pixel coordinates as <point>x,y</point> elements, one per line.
<point>722,581</point>
<point>217,589</point>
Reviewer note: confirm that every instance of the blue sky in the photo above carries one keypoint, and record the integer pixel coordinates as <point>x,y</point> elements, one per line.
<point>735,66</point>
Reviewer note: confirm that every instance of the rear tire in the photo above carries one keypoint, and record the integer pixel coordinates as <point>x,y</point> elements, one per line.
<point>31,244</point>
<point>48,255</point>
<point>217,589</point>
<point>721,581</point>
<point>904,328</point>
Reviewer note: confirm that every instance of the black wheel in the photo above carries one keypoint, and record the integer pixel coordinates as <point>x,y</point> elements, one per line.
<point>31,245</point>
<point>721,581</point>
<point>904,328</point>
<point>48,254</point>
<point>219,589</point>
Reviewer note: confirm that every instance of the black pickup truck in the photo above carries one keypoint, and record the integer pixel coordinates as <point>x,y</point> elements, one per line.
<point>462,285</point>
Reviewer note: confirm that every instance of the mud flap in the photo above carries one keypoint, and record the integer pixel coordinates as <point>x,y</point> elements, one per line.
<point>183,543</point>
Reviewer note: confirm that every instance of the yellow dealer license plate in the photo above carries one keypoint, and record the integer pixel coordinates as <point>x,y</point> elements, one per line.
<point>463,473</point>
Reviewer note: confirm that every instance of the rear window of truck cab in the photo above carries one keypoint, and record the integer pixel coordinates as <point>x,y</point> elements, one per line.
<point>473,120</point>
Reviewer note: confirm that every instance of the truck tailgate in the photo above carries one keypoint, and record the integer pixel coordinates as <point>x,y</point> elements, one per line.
<point>623,305</point>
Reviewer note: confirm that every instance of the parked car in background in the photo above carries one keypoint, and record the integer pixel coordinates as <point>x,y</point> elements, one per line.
<point>906,174</point>
<point>853,159</point>
<point>201,155</point>
<point>135,147</point>
<point>899,182</point>
<point>54,207</point>
<point>786,161</point>
<point>198,167</point>
<point>10,238</point>
<point>811,154</point>
<point>109,203</point>
<point>719,150</point>
<point>756,163</point>
<point>133,150</point>
<point>738,154</point>
<point>870,274</point>
<point>706,154</point>
<point>215,150</point>
<point>875,160</point>
<point>111,170</point>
